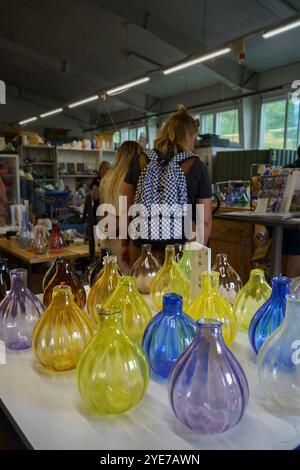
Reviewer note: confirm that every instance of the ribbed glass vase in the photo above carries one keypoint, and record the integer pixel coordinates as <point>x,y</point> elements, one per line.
<point>230,282</point>
<point>145,269</point>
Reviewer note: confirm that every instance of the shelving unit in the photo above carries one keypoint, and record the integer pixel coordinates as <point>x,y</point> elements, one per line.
<point>9,174</point>
<point>42,159</point>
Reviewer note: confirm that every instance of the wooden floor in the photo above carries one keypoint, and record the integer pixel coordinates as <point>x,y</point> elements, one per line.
<point>9,439</point>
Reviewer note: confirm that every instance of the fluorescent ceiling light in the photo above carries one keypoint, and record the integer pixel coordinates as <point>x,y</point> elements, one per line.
<point>126,86</point>
<point>281,29</point>
<point>50,113</point>
<point>189,63</point>
<point>87,100</point>
<point>27,121</point>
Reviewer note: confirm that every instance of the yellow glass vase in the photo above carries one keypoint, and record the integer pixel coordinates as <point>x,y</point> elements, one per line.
<point>170,280</point>
<point>62,332</point>
<point>210,304</point>
<point>103,287</point>
<point>136,313</point>
<point>113,372</point>
<point>250,298</point>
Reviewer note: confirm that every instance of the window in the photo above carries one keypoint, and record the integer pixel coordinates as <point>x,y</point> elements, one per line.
<point>207,124</point>
<point>131,133</point>
<point>228,125</point>
<point>280,124</point>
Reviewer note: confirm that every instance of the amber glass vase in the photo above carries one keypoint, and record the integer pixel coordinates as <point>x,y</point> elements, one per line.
<point>64,277</point>
<point>145,269</point>
<point>170,280</point>
<point>96,267</point>
<point>103,287</point>
<point>62,333</point>
<point>210,304</point>
<point>56,243</point>
<point>136,313</point>
<point>230,282</point>
<point>113,371</point>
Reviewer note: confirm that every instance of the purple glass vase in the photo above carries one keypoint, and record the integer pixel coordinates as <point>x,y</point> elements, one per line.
<point>208,388</point>
<point>19,312</point>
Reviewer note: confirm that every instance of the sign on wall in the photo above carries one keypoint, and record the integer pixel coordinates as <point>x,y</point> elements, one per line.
<point>2,92</point>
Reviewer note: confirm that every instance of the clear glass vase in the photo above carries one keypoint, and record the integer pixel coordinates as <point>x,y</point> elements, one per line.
<point>64,277</point>
<point>170,280</point>
<point>39,242</point>
<point>56,243</point>
<point>136,313</point>
<point>230,282</point>
<point>103,288</point>
<point>95,268</point>
<point>24,239</point>
<point>62,333</point>
<point>113,371</point>
<point>208,388</point>
<point>279,362</point>
<point>4,278</point>
<point>250,298</point>
<point>167,336</point>
<point>19,312</point>
<point>210,304</point>
<point>271,314</point>
<point>145,269</point>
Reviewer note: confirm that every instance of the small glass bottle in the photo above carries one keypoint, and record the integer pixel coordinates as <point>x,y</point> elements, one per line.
<point>210,304</point>
<point>271,314</point>
<point>103,288</point>
<point>25,233</point>
<point>39,243</point>
<point>136,313</point>
<point>95,268</point>
<point>56,243</point>
<point>113,371</point>
<point>170,279</point>
<point>208,388</point>
<point>230,282</point>
<point>62,333</point>
<point>250,298</point>
<point>279,362</point>
<point>64,277</point>
<point>19,312</point>
<point>4,278</point>
<point>145,269</point>
<point>167,336</point>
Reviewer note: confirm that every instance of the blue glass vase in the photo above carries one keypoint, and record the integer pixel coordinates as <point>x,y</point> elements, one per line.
<point>167,336</point>
<point>271,314</point>
<point>208,388</point>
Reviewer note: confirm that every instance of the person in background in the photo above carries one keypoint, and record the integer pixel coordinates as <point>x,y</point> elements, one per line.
<point>111,187</point>
<point>175,140</point>
<point>94,188</point>
<point>103,169</point>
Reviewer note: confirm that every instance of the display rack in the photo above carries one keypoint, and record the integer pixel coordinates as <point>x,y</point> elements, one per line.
<point>42,160</point>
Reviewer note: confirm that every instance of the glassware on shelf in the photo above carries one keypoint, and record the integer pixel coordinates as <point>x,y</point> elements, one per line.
<point>95,268</point>
<point>210,304</point>
<point>24,239</point>
<point>62,333</point>
<point>167,336</point>
<point>136,313</point>
<point>250,298</point>
<point>4,278</point>
<point>39,242</point>
<point>271,314</point>
<point>279,362</point>
<point>208,388</point>
<point>64,277</point>
<point>230,282</point>
<point>19,312</point>
<point>103,288</point>
<point>56,243</point>
<point>170,279</point>
<point>145,269</point>
<point>51,272</point>
<point>113,371</point>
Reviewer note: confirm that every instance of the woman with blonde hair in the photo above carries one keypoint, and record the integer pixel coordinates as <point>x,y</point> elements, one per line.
<point>170,174</point>
<point>111,185</point>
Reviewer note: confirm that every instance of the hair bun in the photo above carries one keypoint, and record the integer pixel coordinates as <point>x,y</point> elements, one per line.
<point>182,109</point>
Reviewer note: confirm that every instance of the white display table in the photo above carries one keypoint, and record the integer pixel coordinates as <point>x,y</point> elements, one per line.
<point>50,413</point>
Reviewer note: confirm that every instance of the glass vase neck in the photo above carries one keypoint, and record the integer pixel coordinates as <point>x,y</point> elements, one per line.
<point>221,259</point>
<point>292,315</point>
<point>172,304</point>
<point>18,279</point>
<point>129,283</point>
<point>62,266</point>
<point>257,275</point>
<point>210,281</point>
<point>281,286</point>
<point>110,264</point>
<point>109,318</point>
<point>146,250</point>
<point>170,258</point>
<point>62,293</point>
<point>3,264</point>
<point>210,329</point>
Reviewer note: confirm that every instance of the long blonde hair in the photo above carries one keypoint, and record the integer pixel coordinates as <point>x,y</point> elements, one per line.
<point>111,184</point>
<point>172,135</point>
